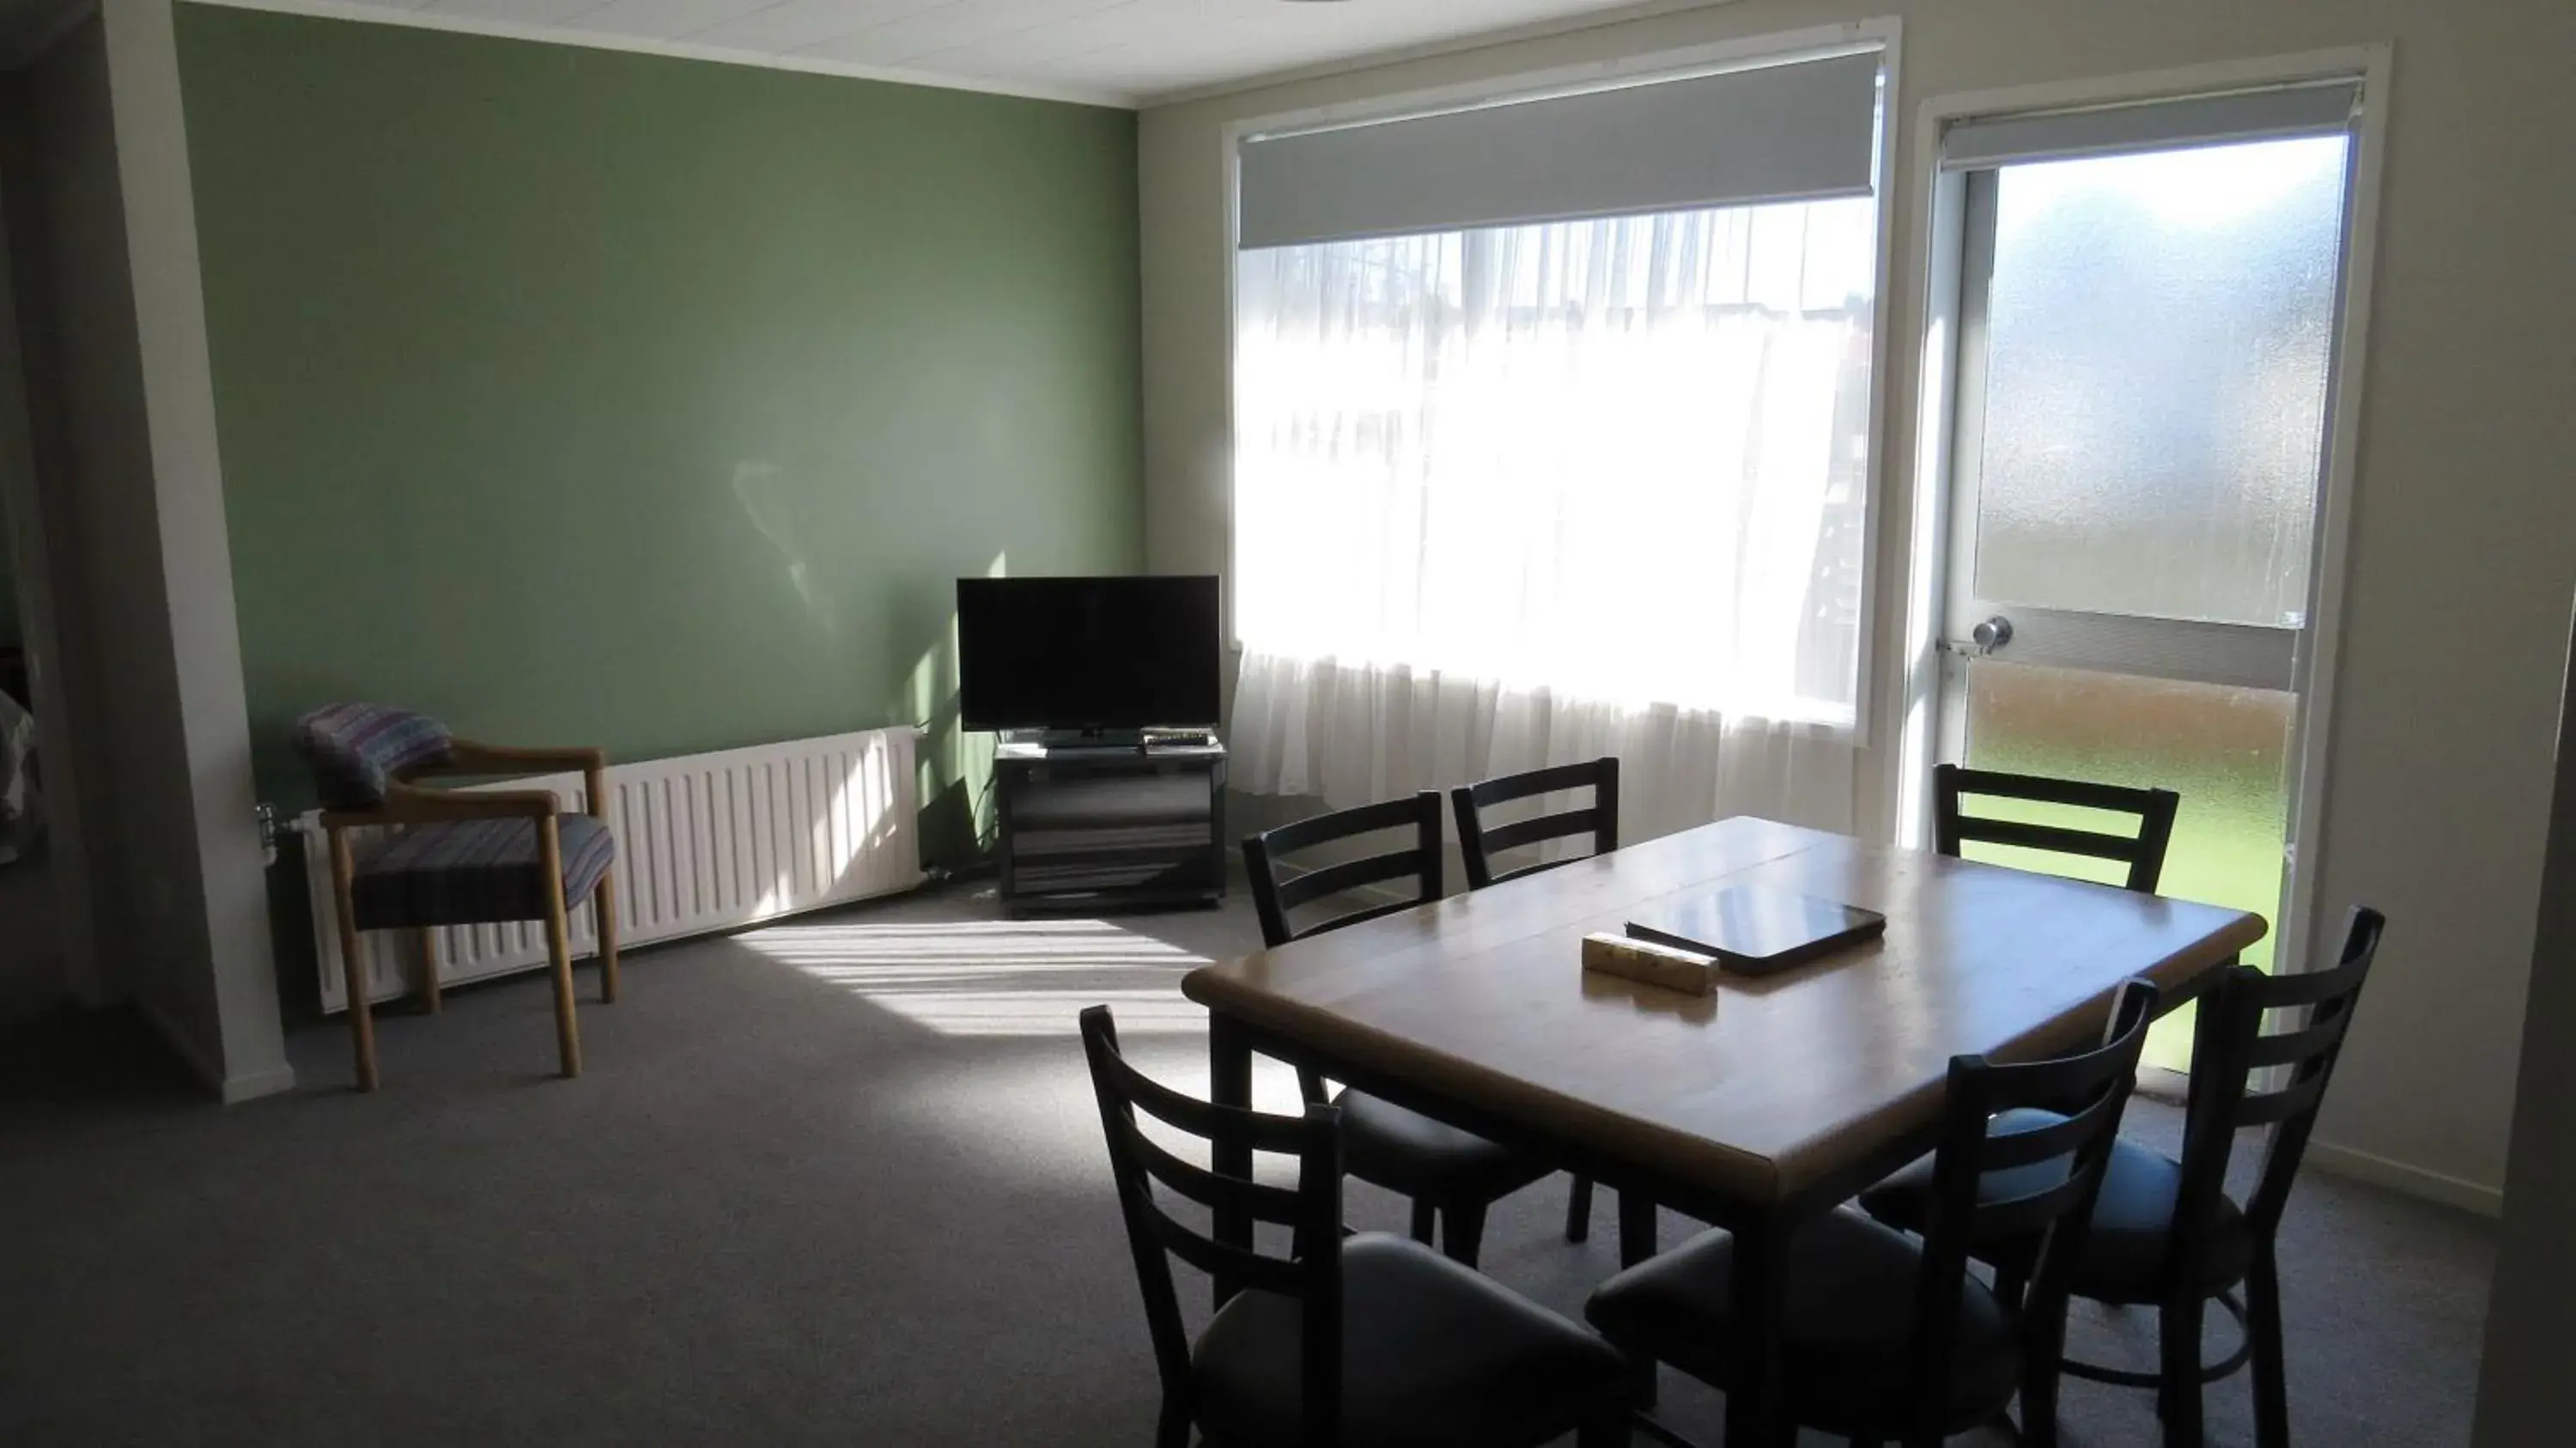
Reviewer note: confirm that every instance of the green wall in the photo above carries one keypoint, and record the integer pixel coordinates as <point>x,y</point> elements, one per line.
<point>586,397</point>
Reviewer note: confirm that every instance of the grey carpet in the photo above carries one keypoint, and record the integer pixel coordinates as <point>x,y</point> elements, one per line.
<point>834,1181</point>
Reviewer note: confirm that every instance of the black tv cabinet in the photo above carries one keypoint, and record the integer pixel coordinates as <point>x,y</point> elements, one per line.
<point>1116,827</point>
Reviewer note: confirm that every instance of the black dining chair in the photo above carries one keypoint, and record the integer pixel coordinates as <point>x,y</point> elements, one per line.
<point>2165,1233</point>
<point>1884,1337</point>
<point>1274,895</point>
<point>1444,1171</point>
<point>1479,842</point>
<point>1367,1341</point>
<point>2142,850</point>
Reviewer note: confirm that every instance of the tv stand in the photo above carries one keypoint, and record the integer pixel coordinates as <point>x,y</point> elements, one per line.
<point>1073,739</point>
<point>1097,825</point>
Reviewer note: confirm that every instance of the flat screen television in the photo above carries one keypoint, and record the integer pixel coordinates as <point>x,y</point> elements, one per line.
<point>1097,655</point>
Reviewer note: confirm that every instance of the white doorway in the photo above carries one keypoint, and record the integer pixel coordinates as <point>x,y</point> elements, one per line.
<point>45,902</point>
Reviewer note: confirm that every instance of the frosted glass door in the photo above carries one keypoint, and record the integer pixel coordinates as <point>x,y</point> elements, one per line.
<point>2157,334</point>
<point>2146,362</point>
<point>2146,358</point>
<point>2224,749</point>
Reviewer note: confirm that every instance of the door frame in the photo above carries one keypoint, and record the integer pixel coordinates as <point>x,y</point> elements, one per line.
<point>1939,244</point>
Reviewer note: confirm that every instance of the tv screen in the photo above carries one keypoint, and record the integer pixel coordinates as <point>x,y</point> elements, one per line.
<point>1086,653</point>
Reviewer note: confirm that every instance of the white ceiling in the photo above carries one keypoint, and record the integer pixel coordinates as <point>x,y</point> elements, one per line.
<point>1116,51</point>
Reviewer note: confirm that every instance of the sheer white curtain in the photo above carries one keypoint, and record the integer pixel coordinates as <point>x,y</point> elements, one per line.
<point>1528,495</point>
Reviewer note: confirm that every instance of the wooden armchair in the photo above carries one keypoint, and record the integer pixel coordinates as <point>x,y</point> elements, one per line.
<point>456,858</point>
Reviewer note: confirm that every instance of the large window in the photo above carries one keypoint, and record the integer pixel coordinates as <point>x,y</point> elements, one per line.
<point>1621,460</point>
<point>1551,441</point>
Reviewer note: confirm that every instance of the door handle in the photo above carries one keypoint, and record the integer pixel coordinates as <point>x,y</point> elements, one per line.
<point>1986,638</point>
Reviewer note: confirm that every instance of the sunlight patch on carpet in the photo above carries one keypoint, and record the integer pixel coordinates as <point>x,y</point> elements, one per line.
<point>996,978</point>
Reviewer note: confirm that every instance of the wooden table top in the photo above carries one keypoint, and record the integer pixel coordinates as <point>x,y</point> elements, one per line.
<point>1768,1086</point>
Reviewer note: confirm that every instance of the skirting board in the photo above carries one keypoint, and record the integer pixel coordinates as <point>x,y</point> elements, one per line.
<point>237,1089</point>
<point>231,1090</point>
<point>178,1041</point>
<point>2413,1181</point>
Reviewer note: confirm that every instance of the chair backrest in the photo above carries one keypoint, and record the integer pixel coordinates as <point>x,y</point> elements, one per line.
<point>2143,852</point>
<point>1478,844</point>
<point>356,751</point>
<point>1312,1211</point>
<point>1273,897</point>
<point>2070,1154</point>
<point>2229,1045</point>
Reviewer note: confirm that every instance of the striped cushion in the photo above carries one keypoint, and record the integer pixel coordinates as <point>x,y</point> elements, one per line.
<point>356,750</point>
<point>474,872</point>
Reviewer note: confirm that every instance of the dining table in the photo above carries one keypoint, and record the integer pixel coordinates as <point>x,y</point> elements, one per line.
<point>1755,1107</point>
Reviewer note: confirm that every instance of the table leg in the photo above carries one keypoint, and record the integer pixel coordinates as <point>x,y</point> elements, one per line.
<point>1230,1084</point>
<point>1754,1417</point>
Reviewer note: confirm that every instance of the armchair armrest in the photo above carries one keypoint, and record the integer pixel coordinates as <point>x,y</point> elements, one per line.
<point>473,756</point>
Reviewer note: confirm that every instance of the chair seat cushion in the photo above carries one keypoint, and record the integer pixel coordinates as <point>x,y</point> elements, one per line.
<point>1847,1329</point>
<point>2128,1250</point>
<point>473,872</point>
<point>1410,1153</point>
<point>1432,1354</point>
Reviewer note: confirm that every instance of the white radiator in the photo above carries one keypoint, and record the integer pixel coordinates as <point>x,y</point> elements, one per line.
<point>705,843</point>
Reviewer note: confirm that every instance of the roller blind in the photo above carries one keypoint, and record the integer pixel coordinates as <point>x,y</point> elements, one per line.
<point>2260,115</point>
<point>1793,131</point>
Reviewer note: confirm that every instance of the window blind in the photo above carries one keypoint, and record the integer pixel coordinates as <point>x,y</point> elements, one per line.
<point>2261,115</point>
<point>1789,131</point>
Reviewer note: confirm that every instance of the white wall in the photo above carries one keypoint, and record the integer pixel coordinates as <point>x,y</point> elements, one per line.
<point>2464,528</point>
<point>195,549</point>
<point>143,576</point>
